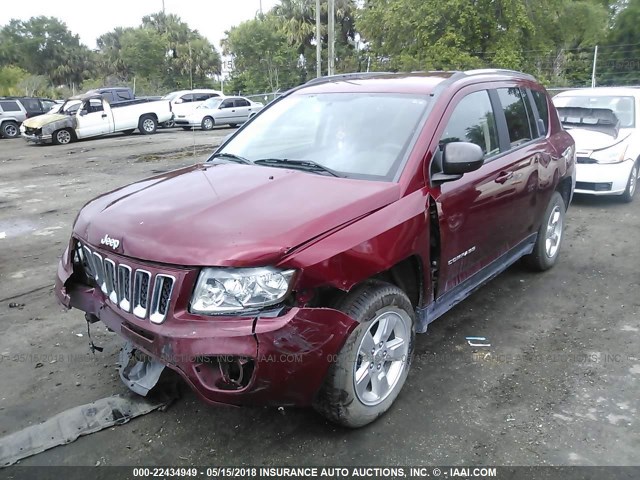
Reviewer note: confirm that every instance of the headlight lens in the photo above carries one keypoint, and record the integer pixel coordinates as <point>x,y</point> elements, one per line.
<point>615,154</point>
<point>226,290</point>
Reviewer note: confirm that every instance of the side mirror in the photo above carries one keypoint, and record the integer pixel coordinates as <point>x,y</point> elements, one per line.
<point>461,157</point>
<point>454,160</point>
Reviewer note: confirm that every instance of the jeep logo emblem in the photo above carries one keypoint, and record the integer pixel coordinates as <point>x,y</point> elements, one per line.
<point>110,242</point>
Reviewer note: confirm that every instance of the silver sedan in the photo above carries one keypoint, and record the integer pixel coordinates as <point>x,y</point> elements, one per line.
<point>219,111</point>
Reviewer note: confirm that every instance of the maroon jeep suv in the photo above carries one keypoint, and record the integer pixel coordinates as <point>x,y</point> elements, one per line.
<point>295,266</point>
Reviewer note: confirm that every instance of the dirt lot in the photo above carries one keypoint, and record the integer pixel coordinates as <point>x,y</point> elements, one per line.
<point>559,384</point>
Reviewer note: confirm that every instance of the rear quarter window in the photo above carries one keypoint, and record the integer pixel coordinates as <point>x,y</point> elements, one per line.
<point>9,106</point>
<point>540,99</point>
<point>515,113</point>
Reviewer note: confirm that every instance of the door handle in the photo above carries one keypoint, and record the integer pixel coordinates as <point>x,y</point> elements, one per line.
<point>232,111</point>
<point>104,115</point>
<point>504,177</point>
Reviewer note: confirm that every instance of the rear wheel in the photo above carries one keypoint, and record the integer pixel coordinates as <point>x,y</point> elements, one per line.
<point>207,123</point>
<point>147,124</point>
<point>632,184</point>
<point>374,362</point>
<point>547,246</point>
<point>62,137</point>
<point>10,130</point>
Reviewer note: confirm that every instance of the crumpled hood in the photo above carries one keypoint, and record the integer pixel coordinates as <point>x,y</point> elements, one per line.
<point>226,214</point>
<point>42,120</point>
<point>589,140</point>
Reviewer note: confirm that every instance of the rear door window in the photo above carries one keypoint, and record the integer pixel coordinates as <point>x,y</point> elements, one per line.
<point>241,102</point>
<point>473,121</point>
<point>10,106</point>
<point>515,112</point>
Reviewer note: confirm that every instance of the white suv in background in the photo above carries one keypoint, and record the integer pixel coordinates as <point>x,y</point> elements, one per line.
<point>604,124</point>
<point>185,101</point>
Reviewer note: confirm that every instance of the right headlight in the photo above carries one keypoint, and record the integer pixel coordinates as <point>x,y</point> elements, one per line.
<point>234,290</point>
<point>615,154</point>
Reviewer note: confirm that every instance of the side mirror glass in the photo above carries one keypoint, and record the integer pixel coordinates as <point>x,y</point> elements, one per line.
<point>461,157</point>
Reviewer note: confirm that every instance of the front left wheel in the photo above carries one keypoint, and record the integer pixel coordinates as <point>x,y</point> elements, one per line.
<point>374,362</point>
<point>62,137</point>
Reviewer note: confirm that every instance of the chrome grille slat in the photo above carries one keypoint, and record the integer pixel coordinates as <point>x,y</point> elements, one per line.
<point>133,290</point>
<point>162,289</point>
<point>141,285</point>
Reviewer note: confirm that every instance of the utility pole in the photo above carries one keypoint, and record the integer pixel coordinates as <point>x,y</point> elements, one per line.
<point>332,45</point>
<point>260,7</point>
<point>593,73</point>
<point>163,7</point>
<point>318,42</point>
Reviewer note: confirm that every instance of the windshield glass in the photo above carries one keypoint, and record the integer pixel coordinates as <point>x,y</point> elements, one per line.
<point>211,103</point>
<point>170,96</point>
<point>71,106</point>
<point>623,107</point>
<point>358,135</point>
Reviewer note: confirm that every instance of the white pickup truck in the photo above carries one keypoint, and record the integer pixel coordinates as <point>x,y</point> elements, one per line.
<point>91,115</point>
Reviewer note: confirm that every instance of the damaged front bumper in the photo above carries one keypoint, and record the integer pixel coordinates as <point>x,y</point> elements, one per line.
<point>275,358</point>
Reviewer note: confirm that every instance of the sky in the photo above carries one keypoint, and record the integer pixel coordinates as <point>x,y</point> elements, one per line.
<point>92,18</point>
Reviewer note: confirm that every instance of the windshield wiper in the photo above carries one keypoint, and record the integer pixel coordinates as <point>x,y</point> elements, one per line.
<point>305,165</point>
<point>232,157</point>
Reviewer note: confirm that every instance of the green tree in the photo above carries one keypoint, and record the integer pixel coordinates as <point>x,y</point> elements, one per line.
<point>143,52</point>
<point>263,58</point>
<point>45,46</point>
<point>10,78</point>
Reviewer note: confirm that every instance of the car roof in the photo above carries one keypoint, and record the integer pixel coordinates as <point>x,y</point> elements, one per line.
<point>604,91</point>
<point>412,82</point>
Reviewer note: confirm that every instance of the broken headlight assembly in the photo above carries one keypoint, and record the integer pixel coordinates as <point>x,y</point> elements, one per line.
<point>235,290</point>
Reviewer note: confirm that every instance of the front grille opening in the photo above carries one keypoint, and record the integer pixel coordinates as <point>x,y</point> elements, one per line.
<point>141,293</point>
<point>595,186</point>
<point>227,372</point>
<point>124,287</point>
<point>98,269</point>
<point>110,279</point>
<point>160,298</point>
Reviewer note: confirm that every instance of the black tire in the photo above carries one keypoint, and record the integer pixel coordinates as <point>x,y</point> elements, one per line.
<point>129,132</point>
<point>233,125</point>
<point>148,124</point>
<point>338,399</point>
<point>552,229</point>
<point>63,136</point>
<point>207,123</point>
<point>632,184</point>
<point>10,129</point>
<point>169,124</point>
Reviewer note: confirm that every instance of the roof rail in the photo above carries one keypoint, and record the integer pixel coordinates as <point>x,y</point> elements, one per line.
<point>345,76</point>
<point>503,71</point>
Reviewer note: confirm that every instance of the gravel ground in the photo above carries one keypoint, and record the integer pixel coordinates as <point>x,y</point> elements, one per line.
<point>559,384</point>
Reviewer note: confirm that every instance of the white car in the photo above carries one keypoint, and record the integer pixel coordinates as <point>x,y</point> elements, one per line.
<point>185,101</point>
<point>604,124</point>
<point>219,111</point>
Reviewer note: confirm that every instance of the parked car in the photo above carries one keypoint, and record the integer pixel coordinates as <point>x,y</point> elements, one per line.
<point>219,111</point>
<point>92,115</point>
<point>184,101</point>
<point>15,110</point>
<point>604,123</point>
<point>295,266</point>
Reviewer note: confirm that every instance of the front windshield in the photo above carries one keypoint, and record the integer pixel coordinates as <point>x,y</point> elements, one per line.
<point>623,107</point>
<point>361,135</point>
<point>211,103</point>
<point>170,96</point>
<point>71,107</point>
